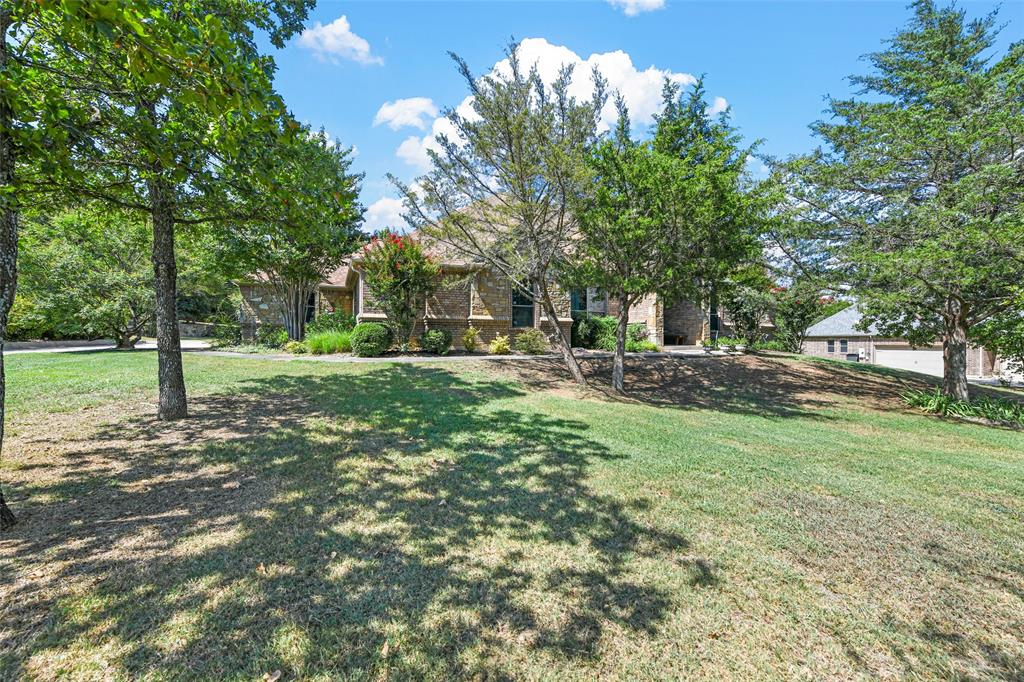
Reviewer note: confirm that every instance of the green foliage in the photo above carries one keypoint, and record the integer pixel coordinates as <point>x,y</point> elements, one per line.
<point>1001,410</point>
<point>749,305</point>
<point>1004,335</point>
<point>271,335</point>
<point>668,216</point>
<point>584,330</point>
<point>86,273</point>
<point>399,275</point>
<point>296,348</point>
<point>796,309</point>
<point>500,345</point>
<point>370,339</point>
<point>437,341</point>
<point>531,342</point>
<point>772,344</point>
<point>915,198</point>
<point>227,334</point>
<point>337,321</point>
<point>512,176</point>
<point>329,341</point>
<point>644,346</point>
<point>604,332</point>
<point>470,338</point>
<point>306,218</point>
<point>637,331</point>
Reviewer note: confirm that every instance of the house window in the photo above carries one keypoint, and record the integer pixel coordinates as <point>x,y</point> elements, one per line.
<point>522,309</point>
<point>831,345</point>
<point>578,301</point>
<point>590,300</point>
<point>844,346</point>
<point>310,307</point>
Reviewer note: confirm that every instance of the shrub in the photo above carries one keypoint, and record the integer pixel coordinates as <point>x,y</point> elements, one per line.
<point>327,342</point>
<point>1000,410</point>
<point>370,339</point>
<point>296,348</point>
<point>337,321</point>
<point>500,346</point>
<point>584,330</point>
<point>636,332</point>
<point>772,344</point>
<point>436,341</point>
<point>271,336</point>
<point>469,338</point>
<point>227,334</point>
<point>607,327</point>
<point>531,342</point>
<point>644,346</point>
<point>604,332</point>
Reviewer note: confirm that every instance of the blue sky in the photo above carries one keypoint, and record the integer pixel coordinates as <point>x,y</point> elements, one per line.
<point>376,74</point>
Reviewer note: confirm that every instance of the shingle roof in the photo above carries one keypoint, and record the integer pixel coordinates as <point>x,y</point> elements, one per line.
<point>841,324</point>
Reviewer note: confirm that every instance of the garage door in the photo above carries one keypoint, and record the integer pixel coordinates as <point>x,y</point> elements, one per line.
<point>924,361</point>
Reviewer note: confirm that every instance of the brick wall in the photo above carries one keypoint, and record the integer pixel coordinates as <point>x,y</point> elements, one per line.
<point>684,323</point>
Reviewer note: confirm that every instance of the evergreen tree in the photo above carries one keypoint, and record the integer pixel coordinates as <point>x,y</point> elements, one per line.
<point>915,198</point>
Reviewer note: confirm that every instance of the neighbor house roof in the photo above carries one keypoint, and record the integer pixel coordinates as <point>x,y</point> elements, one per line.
<point>841,324</point>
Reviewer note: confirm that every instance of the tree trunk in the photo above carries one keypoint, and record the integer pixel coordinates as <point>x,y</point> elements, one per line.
<point>561,340</point>
<point>619,363</point>
<point>954,351</point>
<point>168,340</point>
<point>295,297</point>
<point>8,238</point>
<point>126,340</point>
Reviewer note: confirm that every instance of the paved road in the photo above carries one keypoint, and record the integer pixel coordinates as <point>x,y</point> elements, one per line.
<point>16,347</point>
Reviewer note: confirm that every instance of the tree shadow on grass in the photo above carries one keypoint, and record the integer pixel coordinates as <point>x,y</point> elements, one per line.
<point>401,521</point>
<point>751,384</point>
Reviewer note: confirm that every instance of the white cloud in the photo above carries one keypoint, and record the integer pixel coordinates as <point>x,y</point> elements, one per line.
<point>337,41</point>
<point>640,88</point>
<point>385,212</point>
<point>412,111</point>
<point>718,106</point>
<point>631,8</point>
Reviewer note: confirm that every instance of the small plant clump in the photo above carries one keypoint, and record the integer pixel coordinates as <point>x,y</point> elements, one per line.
<point>370,339</point>
<point>296,348</point>
<point>500,345</point>
<point>1000,410</point>
<point>437,341</point>
<point>271,336</point>
<point>327,342</point>
<point>470,338</point>
<point>532,342</point>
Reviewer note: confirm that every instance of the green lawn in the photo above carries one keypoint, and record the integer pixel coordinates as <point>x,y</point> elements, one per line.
<point>734,518</point>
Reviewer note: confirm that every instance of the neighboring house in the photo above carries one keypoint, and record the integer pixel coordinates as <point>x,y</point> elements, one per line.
<point>482,297</point>
<point>837,337</point>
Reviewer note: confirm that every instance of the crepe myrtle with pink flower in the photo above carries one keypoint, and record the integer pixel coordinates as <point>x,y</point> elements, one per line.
<point>401,276</point>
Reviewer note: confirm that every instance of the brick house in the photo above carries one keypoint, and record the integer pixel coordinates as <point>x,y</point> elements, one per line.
<point>837,337</point>
<point>484,298</point>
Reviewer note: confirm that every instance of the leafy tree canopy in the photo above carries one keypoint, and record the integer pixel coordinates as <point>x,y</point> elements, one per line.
<point>915,198</point>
